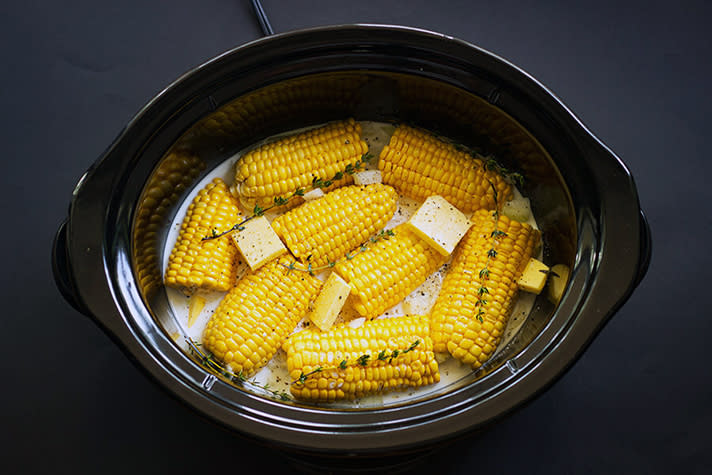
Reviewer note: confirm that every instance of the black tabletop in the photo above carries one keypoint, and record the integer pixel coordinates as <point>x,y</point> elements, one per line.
<point>636,73</point>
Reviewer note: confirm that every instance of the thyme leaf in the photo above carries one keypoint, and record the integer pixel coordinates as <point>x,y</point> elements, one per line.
<point>303,376</point>
<point>383,234</point>
<point>208,360</point>
<point>363,360</point>
<point>317,182</point>
<point>492,165</point>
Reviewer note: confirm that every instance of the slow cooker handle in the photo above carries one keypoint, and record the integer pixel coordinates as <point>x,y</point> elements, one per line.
<point>62,274</point>
<point>646,249</point>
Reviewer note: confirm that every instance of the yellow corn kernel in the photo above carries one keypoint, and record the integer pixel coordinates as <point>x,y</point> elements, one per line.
<point>210,264</point>
<point>419,165</point>
<point>347,363</point>
<point>388,270</point>
<point>258,314</point>
<point>279,168</point>
<point>465,320</point>
<point>328,228</point>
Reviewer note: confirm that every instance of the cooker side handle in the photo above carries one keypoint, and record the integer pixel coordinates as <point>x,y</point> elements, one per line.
<point>63,276</point>
<point>646,249</point>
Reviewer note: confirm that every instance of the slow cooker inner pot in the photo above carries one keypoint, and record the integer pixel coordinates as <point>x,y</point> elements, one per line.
<point>233,123</point>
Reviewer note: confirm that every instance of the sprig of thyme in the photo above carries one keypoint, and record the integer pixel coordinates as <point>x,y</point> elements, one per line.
<point>208,360</point>
<point>491,164</point>
<point>363,360</point>
<point>303,376</point>
<point>309,268</point>
<point>257,211</point>
<point>350,169</point>
<point>317,182</point>
<point>484,273</point>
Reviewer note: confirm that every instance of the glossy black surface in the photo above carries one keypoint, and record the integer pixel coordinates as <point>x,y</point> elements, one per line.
<point>633,74</point>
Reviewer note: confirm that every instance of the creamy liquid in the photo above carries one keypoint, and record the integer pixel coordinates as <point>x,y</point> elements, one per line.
<point>420,301</point>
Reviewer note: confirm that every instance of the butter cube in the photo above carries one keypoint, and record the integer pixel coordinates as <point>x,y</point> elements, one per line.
<point>534,276</point>
<point>314,194</point>
<point>518,209</point>
<point>329,302</point>
<point>258,243</point>
<point>195,306</point>
<point>557,282</point>
<point>440,224</point>
<point>367,177</point>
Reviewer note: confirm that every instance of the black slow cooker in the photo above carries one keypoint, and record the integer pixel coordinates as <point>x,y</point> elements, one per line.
<point>107,253</point>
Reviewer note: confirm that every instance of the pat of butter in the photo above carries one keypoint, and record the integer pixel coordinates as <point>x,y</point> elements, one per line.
<point>557,282</point>
<point>534,276</point>
<point>440,224</point>
<point>367,177</point>
<point>518,209</point>
<point>329,302</point>
<point>258,243</point>
<point>314,194</point>
<point>195,306</point>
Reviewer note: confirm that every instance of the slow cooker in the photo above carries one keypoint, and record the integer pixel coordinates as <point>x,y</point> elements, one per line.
<point>108,253</point>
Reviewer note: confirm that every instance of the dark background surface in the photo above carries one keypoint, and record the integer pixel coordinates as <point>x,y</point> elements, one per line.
<point>640,398</point>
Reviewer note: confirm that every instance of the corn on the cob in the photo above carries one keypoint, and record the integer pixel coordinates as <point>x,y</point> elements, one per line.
<point>419,165</point>
<point>257,315</point>
<point>347,363</point>
<point>165,186</point>
<point>388,270</point>
<point>279,168</point>
<point>211,264</point>
<point>491,256</point>
<point>328,228</point>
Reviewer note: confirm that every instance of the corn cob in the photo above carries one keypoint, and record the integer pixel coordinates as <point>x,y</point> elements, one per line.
<point>419,165</point>
<point>278,169</point>
<point>347,363</point>
<point>211,264</point>
<point>328,228</point>
<point>387,271</point>
<point>257,315</point>
<point>175,173</point>
<point>491,256</point>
